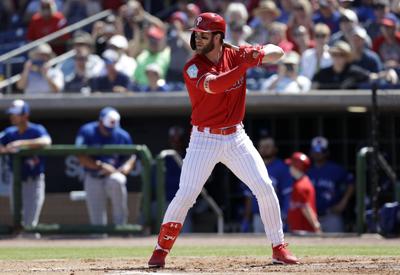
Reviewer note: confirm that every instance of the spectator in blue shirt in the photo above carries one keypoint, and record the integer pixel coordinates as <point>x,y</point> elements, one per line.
<point>334,186</point>
<point>282,181</point>
<point>328,14</point>
<point>114,81</point>
<point>24,134</point>
<point>106,174</point>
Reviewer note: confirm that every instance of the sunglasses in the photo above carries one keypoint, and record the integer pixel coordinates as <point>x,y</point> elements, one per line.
<point>299,8</point>
<point>320,35</point>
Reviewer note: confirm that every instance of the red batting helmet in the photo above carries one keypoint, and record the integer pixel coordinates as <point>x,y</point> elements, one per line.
<point>207,22</point>
<point>299,161</point>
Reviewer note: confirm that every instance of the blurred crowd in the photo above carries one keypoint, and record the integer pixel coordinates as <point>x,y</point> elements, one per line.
<point>329,44</point>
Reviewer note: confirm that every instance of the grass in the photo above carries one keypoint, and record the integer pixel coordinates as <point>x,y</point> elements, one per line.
<point>35,253</point>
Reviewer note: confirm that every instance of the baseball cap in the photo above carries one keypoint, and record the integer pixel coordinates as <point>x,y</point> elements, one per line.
<point>389,20</point>
<point>155,32</point>
<point>110,118</point>
<point>360,32</point>
<point>119,42</point>
<point>154,67</point>
<point>319,144</point>
<point>348,15</point>
<point>110,56</point>
<point>18,107</point>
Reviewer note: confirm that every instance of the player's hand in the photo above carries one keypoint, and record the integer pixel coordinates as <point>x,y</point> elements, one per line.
<point>14,146</point>
<point>250,55</point>
<point>107,169</point>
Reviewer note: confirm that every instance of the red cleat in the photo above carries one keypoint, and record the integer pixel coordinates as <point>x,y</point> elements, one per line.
<point>282,255</point>
<point>157,260</point>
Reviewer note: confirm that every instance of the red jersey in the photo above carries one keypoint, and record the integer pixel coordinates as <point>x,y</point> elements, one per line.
<point>303,193</point>
<point>215,110</point>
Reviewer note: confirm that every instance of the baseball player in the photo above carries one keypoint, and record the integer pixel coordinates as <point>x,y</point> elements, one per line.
<point>302,215</point>
<point>216,81</point>
<point>24,134</point>
<point>105,175</point>
<point>334,186</point>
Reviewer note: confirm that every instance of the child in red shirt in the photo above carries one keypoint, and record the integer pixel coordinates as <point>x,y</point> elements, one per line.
<point>302,215</point>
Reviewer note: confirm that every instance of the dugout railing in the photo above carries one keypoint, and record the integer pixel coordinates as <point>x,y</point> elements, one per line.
<point>160,189</point>
<point>64,150</point>
<point>361,183</point>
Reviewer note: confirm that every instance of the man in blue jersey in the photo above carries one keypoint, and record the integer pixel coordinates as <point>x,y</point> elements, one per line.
<point>334,186</point>
<point>24,134</point>
<point>282,181</point>
<point>106,174</point>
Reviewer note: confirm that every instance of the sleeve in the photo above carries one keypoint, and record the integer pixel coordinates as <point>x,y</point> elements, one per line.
<point>58,77</point>
<point>303,195</point>
<point>196,76</point>
<point>128,139</point>
<point>42,132</point>
<point>81,138</point>
<point>3,138</point>
<point>125,82</point>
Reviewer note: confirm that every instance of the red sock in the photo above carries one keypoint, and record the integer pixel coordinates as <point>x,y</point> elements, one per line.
<point>168,234</point>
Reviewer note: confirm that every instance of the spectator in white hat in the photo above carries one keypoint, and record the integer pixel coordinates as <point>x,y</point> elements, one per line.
<point>155,81</point>
<point>347,22</point>
<point>125,64</point>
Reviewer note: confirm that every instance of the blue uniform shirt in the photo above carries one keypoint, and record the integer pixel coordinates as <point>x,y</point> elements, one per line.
<point>282,181</point>
<point>330,181</point>
<point>33,165</point>
<point>89,134</point>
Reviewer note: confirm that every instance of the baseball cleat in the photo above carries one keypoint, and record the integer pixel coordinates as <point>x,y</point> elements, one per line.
<point>282,255</point>
<point>157,260</point>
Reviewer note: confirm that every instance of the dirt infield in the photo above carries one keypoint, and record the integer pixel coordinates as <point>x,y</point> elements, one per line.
<point>204,265</point>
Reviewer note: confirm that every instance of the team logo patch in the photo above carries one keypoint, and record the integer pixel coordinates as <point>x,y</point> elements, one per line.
<point>192,71</point>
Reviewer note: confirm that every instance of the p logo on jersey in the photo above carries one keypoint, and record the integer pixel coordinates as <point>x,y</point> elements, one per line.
<point>192,71</point>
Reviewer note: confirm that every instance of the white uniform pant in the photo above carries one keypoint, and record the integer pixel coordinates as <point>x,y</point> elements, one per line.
<point>98,190</point>
<point>33,190</point>
<point>237,152</point>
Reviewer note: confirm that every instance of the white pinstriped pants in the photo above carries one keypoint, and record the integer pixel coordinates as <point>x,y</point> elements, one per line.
<point>237,152</point>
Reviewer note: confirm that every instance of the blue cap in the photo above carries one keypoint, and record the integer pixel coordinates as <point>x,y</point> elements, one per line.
<point>18,107</point>
<point>319,145</point>
<point>110,118</point>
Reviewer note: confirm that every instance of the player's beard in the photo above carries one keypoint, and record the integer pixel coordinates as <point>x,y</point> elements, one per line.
<point>207,48</point>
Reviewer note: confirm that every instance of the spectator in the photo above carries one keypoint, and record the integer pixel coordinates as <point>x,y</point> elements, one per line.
<point>328,14</point>
<point>156,83</point>
<point>281,180</point>
<point>342,74</point>
<point>302,40</point>
<point>348,21</point>
<point>301,16</point>
<point>237,14</point>
<point>78,81</point>
<point>38,76</point>
<point>373,25</point>
<point>83,42</point>
<point>77,10</point>
<point>178,40</point>
<point>286,8</point>
<point>25,134</point>
<point>346,4</point>
<point>133,22</point>
<point>113,81</point>
<point>365,11</point>
<point>362,55</point>
<point>278,37</point>
<point>192,11</point>
<point>47,21</point>
<point>388,45</point>
<point>334,186</point>
<point>287,80</point>
<point>312,60</point>
<point>125,64</point>
<point>157,52</point>
<point>33,6</point>
<point>102,32</point>
<point>106,175</point>
<point>302,214</point>
<point>266,13</point>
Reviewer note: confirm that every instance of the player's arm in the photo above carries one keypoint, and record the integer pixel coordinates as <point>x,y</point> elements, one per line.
<point>311,217</point>
<point>128,165</point>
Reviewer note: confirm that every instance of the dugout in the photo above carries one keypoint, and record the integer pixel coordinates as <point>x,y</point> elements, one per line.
<point>292,119</point>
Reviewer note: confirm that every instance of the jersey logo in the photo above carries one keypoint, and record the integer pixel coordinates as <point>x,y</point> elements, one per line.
<point>198,20</point>
<point>192,70</point>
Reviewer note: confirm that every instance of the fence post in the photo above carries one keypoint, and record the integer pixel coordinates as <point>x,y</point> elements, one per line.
<point>17,192</point>
<point>361,183</point>
<point>146,159</point>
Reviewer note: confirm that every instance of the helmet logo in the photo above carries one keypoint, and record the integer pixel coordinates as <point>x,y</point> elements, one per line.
<point>199,19</point>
